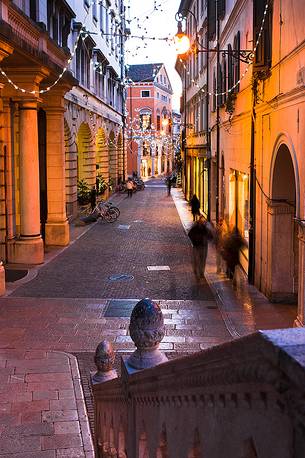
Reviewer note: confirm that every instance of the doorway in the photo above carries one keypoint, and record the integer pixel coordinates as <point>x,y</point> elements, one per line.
<point>282,230</point>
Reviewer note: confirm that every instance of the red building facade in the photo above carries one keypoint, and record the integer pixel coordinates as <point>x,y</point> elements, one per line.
<point>149,120</point>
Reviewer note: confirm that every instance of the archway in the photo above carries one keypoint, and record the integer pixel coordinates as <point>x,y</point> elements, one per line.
<point>121,158</point>
<point>85,155</point>
<point>71,171</point>
<point>102,157</point>
<point>282,230</point>
<point>113,158</point>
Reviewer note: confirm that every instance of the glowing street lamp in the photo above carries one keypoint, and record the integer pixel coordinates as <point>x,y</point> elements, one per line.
<point>182,41</point>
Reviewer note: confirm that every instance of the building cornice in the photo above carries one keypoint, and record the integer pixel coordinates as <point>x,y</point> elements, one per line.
<point>296,94</point>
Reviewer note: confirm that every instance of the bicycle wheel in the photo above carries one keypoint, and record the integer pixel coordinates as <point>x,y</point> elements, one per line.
<point>115,210</point>
<point>110,215</point>
<point>85,210</point>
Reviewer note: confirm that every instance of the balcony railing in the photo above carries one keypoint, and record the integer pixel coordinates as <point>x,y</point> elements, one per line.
<point>243,399</point>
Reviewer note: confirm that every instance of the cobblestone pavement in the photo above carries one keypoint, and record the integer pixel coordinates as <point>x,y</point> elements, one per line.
<point>147,233</point>
<point>70,306</point>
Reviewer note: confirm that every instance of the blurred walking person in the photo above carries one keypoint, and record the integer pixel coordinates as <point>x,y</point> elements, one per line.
<point>195,207</point>
<point>220,234</point>
<point>200,234</point>
<point>93,195</point>
<point>169,185</point>
<point>233,242</point>
<point>129,187</point>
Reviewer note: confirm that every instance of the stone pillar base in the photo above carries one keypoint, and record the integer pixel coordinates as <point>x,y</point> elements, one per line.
<point>57,234</point>
<point>26,251</point>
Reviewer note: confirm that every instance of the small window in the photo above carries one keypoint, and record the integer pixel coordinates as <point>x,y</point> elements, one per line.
<point>145,121</point>
<point>145,93</point>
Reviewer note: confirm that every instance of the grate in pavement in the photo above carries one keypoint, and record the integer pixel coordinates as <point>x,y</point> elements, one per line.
<point>151,268</point>
<point>12,275</point>
<point>118,308</point>
<point>124,226</point>
<point>121,277</point>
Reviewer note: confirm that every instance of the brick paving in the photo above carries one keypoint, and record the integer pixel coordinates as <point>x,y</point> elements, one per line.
<point>63,310</point>
<point>155,237</point>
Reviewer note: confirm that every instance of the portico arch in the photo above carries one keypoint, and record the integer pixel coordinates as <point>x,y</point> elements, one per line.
<point>71,171</point>
<point>85,155</point>
<point>102,158</point>
<point>283,207</point>
<point>113,158</point>
<point>121,159</point>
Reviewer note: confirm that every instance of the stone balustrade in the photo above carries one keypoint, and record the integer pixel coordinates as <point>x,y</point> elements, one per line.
<point>243,399</point>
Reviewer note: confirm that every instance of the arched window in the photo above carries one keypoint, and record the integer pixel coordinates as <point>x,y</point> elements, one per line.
<point>145,119</point>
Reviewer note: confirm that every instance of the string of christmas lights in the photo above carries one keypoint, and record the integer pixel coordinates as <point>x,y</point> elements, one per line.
<point>228,91</point>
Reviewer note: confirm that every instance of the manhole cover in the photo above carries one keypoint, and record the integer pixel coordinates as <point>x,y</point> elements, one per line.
<point>121,277</point>
<point>120,308</point>
<point>12,275</point>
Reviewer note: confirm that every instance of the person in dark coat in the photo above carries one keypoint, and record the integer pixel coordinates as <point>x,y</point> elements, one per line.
<point>200,233</point>
<point>195,207</point>
<point>169,185</point>
<point>220,234</point>
<point>93,198</point>
<point>232,244</point>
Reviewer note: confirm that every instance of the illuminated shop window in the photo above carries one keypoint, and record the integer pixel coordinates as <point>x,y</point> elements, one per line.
<point>239,202</point>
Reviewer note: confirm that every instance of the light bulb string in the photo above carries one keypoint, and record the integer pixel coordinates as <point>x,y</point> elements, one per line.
<point>228,91</point>
<point>42,91</point>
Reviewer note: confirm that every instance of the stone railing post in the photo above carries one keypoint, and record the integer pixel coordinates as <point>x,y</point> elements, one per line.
<point>146,330</point>
<point>104,359</point>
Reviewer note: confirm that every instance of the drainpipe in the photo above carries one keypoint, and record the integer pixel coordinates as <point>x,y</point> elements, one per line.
<point>123,90</point>
<point>217,112</point>
<point>252,197</point>
<point>184,139</point>
<point>207,113</point>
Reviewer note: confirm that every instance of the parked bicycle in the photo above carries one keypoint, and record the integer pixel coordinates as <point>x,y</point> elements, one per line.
<point>103,209</point>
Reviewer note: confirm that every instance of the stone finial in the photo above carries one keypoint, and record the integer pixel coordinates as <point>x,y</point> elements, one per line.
<point>146,330</point>
<point>104,359</point>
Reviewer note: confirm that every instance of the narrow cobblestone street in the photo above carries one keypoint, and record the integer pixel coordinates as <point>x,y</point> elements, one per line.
<point>71,305</point>
<point>147,233</point>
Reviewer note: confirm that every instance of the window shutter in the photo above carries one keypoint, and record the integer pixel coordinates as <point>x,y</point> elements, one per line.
<point>211,19</point>
<point>230,67</point>
<point>263,50</point>
<point>221,9</point>
<point>236,62</point>
<point>214,90</point>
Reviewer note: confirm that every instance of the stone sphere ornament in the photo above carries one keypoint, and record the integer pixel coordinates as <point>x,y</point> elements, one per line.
<point>146,330</point>
<point>104,360</point>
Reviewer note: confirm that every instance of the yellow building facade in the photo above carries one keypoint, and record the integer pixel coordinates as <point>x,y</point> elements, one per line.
<point>256,126</point>
<point>61,118</point>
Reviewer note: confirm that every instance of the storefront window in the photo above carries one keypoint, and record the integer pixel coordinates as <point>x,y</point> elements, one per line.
<point>239,202</point>
<point>206,189</point>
